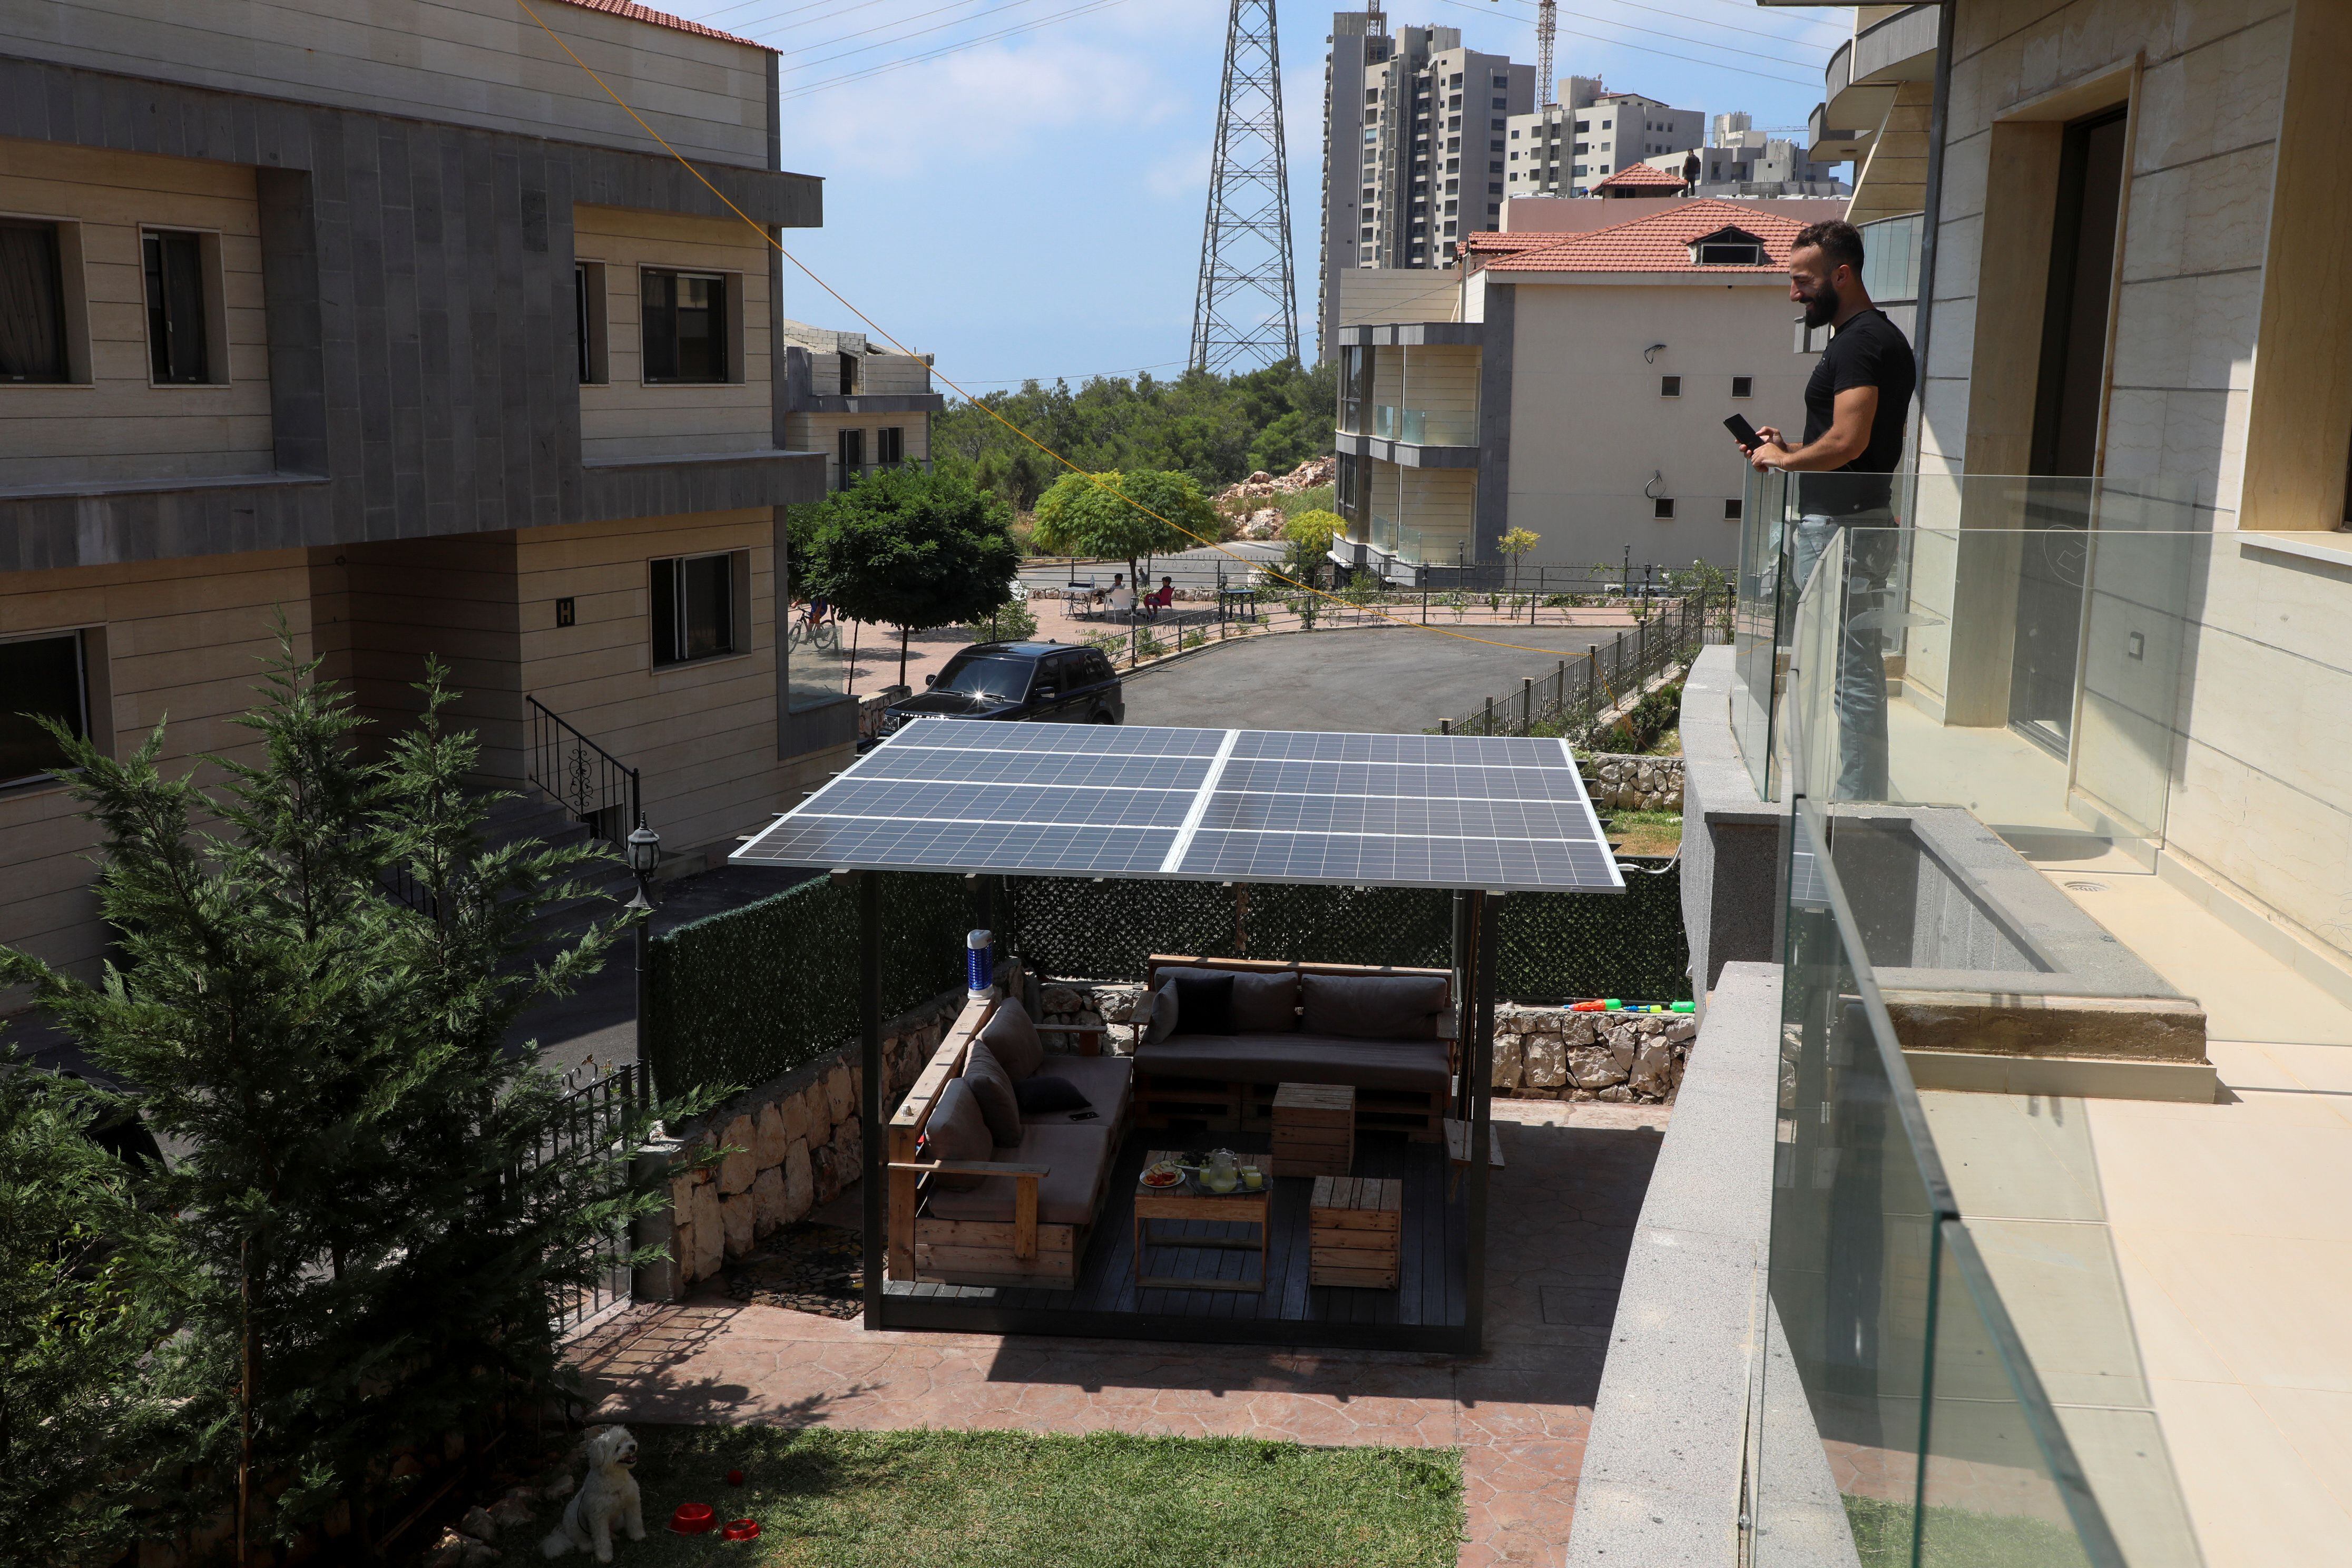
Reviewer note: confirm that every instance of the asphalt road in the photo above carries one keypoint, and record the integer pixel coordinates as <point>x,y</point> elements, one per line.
<point>1387,680</point>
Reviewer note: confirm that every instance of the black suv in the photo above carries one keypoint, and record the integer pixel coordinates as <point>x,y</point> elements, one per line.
<point>1047,681</point>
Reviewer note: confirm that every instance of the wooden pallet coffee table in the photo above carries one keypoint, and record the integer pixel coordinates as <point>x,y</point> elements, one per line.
<point>1188,1203</point>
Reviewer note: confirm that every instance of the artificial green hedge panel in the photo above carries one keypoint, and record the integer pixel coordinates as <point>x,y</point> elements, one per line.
<point>743,997</point>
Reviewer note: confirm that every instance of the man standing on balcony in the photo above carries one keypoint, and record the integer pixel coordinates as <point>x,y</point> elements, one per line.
<point>1855,405</point>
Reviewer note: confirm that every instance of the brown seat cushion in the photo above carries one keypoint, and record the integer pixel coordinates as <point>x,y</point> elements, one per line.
<point>1373,1006</point>
<point>1299,1058</point>
<point>956,1131</point>
<point>1103,1080</point>
<point>1077,1157</point>
<point>992,1085</point>
<point>1011,1034</point>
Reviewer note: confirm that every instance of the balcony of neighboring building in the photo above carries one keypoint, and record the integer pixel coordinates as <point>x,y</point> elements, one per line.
<point>1892,46</point>
<point>1408,393</point>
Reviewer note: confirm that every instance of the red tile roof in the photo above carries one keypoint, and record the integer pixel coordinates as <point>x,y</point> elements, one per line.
<point>1658,243</point>
<point>1641,176</point>
<point>636,12</point>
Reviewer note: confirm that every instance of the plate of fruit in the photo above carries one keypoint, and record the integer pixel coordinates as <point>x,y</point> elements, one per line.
<point>1166,1174</point>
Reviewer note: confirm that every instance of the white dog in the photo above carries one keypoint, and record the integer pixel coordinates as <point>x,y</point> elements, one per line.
<point>607,1497</point>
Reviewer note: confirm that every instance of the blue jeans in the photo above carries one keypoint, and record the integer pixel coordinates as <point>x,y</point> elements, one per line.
<point>1859,694</point>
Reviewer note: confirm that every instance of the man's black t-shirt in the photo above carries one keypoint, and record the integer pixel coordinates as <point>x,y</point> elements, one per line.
<point>1868,350</point>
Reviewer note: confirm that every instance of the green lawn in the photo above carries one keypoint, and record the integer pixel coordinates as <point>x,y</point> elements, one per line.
<point>993,1499</point>
<point>1959,1538</point>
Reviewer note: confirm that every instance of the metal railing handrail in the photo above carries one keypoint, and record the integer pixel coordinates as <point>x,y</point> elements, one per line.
<point>593,784</point>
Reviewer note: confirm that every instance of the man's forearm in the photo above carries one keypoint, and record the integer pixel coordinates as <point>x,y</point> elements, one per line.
<point>1820,456</point>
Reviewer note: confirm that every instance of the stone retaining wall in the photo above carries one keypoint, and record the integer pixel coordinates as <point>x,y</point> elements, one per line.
<point>1623,783</point>
<point>1540,1053</point>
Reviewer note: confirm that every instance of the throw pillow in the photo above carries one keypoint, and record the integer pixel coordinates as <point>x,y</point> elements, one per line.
<point>1045,1094</point>
<point>1373,1006</point>
<point>993,1087</point>
<point>1205,1003</point>
<point>1013,1038</point>
<point>956,1131</point>
<point>1164,1015</point>
<point>1265,1004</point>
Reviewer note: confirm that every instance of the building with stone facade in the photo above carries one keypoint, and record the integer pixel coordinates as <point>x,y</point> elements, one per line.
<point>392,323</point>
<point>2055,1300</point>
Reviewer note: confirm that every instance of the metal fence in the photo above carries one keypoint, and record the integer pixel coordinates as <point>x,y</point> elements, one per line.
<point>595,785</point>
<point>591,1119</point>
<point>1578,690</point>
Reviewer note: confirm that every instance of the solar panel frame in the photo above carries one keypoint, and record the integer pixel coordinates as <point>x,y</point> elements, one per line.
<point>1505,813</point>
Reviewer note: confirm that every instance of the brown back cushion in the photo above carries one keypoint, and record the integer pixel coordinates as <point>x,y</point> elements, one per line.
<point>1013,1038</point>
<point>958,1131</point>
<point>993,1087</point>
<point>1373,1006</point>
<point>1265,1004</point>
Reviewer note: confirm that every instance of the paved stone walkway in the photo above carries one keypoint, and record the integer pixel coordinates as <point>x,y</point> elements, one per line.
<point>1561,1218</point>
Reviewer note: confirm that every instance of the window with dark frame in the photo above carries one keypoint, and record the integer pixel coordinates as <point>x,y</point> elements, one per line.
<point>685,326</point>
<point>175,308</point>
<point>693,608</point>
<point>849,375</point>
<point>890,445</point>
<point>1662,506</point>
<point>1670,386</point>
<point>32,303</point>
<point>849,453</point>
<point>580,319</point>
<point>1743,386</point>
<point>1731,510</point>
<point>42,676</point>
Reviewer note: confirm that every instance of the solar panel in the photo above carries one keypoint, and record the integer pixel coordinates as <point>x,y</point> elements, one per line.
<point>1446,811</point>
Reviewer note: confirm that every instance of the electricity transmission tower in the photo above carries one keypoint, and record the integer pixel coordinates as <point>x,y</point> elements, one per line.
<point>1246,311</point>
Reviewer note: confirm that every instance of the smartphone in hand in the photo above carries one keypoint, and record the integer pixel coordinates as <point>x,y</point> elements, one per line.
<point>1743,432</point>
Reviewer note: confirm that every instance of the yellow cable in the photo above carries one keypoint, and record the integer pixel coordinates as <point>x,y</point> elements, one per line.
<point>1096,479</point>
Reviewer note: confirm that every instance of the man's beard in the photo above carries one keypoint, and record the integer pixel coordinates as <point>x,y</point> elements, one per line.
<point>1822,306</point>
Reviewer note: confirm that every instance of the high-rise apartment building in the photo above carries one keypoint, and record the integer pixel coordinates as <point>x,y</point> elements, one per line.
<point>1414,133</point>
<point>1565,149</point>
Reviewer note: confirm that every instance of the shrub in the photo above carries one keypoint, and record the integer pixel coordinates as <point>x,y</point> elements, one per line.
<point>1011,622</point>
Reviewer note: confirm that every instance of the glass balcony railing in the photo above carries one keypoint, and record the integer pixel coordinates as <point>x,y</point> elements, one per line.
<point>1384,534</point>
<point>1384,421</point>
<point>2022,648</point>
<point>1903,1418</point>
<point>1423,427</point>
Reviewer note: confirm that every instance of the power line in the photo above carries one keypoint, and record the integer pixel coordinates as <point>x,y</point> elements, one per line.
<point>808,90</point>
<point>902,38</point>
<point>1679,37</point>
<point>1666,54</point>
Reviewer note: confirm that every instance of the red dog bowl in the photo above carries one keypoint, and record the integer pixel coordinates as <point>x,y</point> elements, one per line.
<point>734,1477</point>
<point>693,1518</point>
<point>743,1530</point>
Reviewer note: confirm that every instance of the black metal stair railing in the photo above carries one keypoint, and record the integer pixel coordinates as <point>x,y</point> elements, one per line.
<point>590,782</point>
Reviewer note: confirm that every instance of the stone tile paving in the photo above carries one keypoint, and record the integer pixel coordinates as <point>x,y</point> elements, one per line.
<point>1561,1220</point>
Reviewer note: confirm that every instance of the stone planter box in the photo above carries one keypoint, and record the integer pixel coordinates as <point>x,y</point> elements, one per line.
<point>1623,783</point>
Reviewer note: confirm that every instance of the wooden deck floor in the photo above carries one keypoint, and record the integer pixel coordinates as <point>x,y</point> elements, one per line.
<point>1428,1311</point>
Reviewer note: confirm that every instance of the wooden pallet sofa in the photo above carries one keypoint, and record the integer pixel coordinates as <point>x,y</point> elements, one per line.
<point>1387,1033</point>
<point>1011,1203</point>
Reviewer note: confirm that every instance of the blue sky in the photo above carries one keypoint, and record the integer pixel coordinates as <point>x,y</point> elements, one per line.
<point>1031,204</point>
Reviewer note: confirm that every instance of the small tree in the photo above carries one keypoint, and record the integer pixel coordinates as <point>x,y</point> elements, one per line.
<point>381,1205</point>
<point>1124,516</point>
<point>1514,544</point>
<point>911,550</point>
<point>1311,534</point>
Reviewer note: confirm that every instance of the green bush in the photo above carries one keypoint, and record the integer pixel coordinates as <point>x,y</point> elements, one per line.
<point>1012,622</point>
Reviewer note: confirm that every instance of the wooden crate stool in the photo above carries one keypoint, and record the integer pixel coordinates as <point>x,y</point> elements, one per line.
<point>1354,1230</point>
<point>1313,1129</point>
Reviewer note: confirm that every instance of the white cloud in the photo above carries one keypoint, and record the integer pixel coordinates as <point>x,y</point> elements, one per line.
<point>977,106</point>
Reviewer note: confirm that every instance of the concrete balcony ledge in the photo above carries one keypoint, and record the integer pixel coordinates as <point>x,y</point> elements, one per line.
<point>1412,334</point>
<point>1406,454</point>
<point>675,459</point>
<point>868,403</point>
<point>74,490</point>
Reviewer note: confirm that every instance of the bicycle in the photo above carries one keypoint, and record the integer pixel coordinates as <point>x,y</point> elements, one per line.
<point>824,636</point>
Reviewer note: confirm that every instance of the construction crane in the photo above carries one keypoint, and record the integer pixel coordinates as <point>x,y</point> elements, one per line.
<point>1547,25</point>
